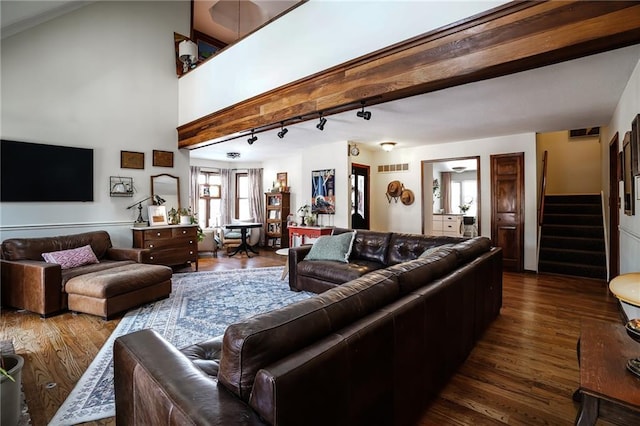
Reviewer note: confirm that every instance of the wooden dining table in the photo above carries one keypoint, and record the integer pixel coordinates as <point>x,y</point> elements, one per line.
<point>244,246</point>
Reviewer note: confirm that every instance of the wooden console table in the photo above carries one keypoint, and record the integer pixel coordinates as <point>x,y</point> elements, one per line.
<point>604,351</point>
<point>308,232</point>
<point>170,245</point>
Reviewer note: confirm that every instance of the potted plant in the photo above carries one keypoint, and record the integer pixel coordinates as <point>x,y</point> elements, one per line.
<point>10,388</point>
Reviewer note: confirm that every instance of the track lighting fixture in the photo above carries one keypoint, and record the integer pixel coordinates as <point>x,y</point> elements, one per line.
<point>282,131</point>
<point>322,122</point>
<point>252,139</point>
<point>364,114</point>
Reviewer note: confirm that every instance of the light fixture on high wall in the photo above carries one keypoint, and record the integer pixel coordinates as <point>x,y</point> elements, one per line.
<point>323,121</point>
<point>188,54</point>
<point>282,131</point>
<point>252,139</point>
<point>388,146</point>
<point>364,114</point>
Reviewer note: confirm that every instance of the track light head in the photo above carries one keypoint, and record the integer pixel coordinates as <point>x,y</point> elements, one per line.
<point>252,139</point>
<point>282,131</point>
<point>320,125</point>
<point>364,114</point>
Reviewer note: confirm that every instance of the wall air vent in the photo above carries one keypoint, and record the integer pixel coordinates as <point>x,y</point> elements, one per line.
<point>387,168</point>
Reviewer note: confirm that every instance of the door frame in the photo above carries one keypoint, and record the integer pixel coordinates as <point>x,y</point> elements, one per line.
<point>366,192</point>
<point>614,206</point>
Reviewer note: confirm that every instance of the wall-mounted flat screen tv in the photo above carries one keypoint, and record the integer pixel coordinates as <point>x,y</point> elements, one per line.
<point>39,172</point>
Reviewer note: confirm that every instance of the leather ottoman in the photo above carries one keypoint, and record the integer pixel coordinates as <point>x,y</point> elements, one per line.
<point>112,291</point>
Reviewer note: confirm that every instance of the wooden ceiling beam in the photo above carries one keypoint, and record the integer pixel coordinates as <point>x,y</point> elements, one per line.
<point>513,38</point>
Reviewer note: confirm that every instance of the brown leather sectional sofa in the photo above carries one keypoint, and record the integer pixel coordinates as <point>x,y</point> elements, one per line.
<point>372,351</point>
<point>28,282</point>
<point>371,250</point>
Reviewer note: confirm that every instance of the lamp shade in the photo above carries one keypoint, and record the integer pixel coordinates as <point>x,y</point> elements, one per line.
<point>187,51</point>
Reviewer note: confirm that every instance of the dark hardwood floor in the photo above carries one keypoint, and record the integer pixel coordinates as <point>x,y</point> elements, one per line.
<point>522,372</point>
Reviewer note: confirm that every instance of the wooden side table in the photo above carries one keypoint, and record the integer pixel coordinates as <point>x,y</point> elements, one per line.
<point>307,232</point>
<point>604,351</point>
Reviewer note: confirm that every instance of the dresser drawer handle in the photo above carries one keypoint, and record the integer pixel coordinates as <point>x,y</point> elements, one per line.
<point>150,245</point>
<point>184,232</point>
<point>151,257</point>
<point>190,252</point>
<point>158,234</point>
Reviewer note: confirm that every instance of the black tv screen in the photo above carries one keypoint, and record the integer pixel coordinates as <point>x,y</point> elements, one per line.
<point>39,172</point>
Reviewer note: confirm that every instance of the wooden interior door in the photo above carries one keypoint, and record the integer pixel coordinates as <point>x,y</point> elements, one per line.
<point>507,208</point>
<point>614,208</point>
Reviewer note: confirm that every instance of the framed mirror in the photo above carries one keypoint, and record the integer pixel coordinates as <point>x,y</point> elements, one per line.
<point>167,187</point>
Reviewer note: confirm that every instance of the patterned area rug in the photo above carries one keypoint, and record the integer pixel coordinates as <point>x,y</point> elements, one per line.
<point>201,306</point>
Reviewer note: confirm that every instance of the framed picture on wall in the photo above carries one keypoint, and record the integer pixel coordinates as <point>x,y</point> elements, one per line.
<point>323,197</point>
<point>628,194</point>
<point>635,146</point>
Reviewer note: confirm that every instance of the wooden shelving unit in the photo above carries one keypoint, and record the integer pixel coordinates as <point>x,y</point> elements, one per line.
<point>276,211</point>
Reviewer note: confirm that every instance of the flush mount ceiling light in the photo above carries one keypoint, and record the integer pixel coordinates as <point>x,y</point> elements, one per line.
<point>388,146</point>
<point>252,139</point>
<point>233,155</point>
<point>364,114</point>
<point>323,121</point>
<point>459,169</point>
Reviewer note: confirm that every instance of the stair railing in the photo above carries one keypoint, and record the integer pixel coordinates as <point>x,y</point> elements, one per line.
<point>543,189</point>
<point>543,192</point>
<point>606,235</point>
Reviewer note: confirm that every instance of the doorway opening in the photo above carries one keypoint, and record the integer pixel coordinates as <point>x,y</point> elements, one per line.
<point>360,196</point>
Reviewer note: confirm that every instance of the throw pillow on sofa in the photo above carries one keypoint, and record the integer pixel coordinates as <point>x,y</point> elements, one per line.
<point>428,251</point>
<point>72,258</point>
<point>332,247</point>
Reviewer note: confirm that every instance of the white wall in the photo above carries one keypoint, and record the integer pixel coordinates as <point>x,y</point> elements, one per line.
<point>101,77</point>
<point>391,216</point>
<point>271,57</point>
<point>626,110</point>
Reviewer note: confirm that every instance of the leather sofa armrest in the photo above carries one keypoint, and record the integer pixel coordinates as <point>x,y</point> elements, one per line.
<point>157,384</point>
<point>296,255</point>
<point>136,254</point>
<point>32,285</point>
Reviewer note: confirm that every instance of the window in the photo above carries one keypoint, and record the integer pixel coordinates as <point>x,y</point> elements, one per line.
<point>464,192</point>
<point>209,188</point>
<point>242,196</point>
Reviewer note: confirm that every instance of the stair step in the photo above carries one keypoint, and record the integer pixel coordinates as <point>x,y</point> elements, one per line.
<point>564,230</point>
<point>573,199</point>
<point>576,243</point>
<point>587,271</point>
<point>560,208</point>
<point>572,219</point>
<point>578,257</point>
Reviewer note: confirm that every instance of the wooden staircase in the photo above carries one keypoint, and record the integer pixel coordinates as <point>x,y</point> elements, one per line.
<point>572,236</point>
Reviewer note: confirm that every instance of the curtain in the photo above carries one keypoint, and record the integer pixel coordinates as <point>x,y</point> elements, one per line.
<point>194,195</point>
<point>445,191</point>
<point>256,198</point>
<point>226,198</point>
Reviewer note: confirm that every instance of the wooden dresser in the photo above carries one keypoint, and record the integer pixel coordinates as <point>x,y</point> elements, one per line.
<point>447,224</point>
<point>169,245</point>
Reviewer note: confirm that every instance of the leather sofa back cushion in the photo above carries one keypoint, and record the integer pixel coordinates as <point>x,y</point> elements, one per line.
<point>405,247</point>
<point>263,339</point>
<point>32,248</point>
<point>371,246</point>
<point>420,272</point>
<point>470,249</point>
